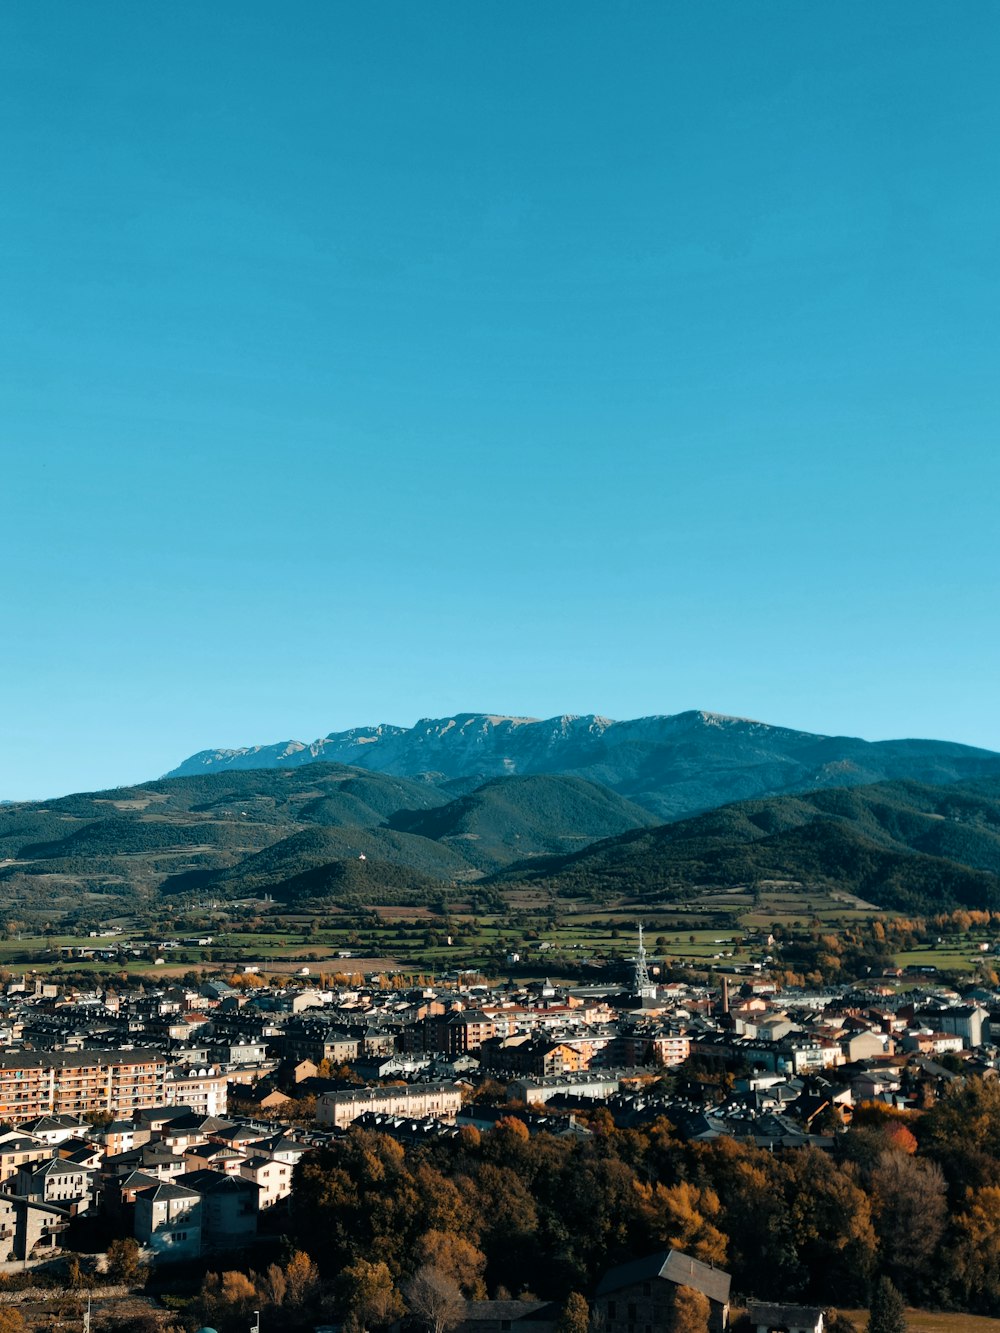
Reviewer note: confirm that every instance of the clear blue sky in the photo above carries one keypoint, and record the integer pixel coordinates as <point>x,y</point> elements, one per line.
<point>362,362</point>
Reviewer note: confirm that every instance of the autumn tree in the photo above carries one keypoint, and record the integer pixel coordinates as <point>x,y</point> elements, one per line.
<point>977,1251</point>
<point>271,1288</point>
<point>301,1280</point>
<point>226,1299</point>
<point>961,1132</point>
<point>456,1258</point>
<point>575,1315</point>
<point>683,1216</point>
<point>124,1260</point>
<point>368,1296</point>
<point>831,1220</point>
<point>689,1312</point>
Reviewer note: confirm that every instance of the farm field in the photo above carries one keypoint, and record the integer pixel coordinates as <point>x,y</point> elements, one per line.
<point>934,1321</point>
<point>557,937</point>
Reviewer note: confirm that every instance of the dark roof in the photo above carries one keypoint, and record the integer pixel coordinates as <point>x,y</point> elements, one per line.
<point>165,1190</point>
<point>675,1267</point>
<point>77,1059</point>
<point>137,1180</point>
<point>214,1182</point>
<point>515,1311</point>
<point>196,1124</point>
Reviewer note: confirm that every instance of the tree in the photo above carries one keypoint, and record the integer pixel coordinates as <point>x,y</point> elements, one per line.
<point>124,1260</point>
<point>435,1299</point>
<point>272,1286</point>
<point>911,1214</point>
<point>367,1295</point>
<point>456,1258</point>
<point>887,1313</point>
<point>977,1254</point>
<point>690,1311</point>
<point>226,1299</point>
<point>575,1316</point>
<point>11,1321</point>
<point>301,1279</point>
<point>680,1215</point>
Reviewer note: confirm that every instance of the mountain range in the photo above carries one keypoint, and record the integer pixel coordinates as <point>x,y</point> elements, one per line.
<point>673,766</point>
<point>647,810</point>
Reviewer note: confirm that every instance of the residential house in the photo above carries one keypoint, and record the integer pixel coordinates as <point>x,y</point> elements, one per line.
<point>638,1297</point>
<point>509,1317</point>
<point>416,1099</point>
<point>229,1208</point>
<point>17,1148</point>
<point>770,1318</point>
<point>58,1182</point>
<point>30,1230</point>
<point>168,1220</point>
<point>273,1178</point>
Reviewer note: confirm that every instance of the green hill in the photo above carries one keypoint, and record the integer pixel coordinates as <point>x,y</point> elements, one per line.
<point>357,883</point>
<point>508,819</point>
<point>180,833</point>
<point>313,848</point>
<point>883,843</point>
<point>302,832</point>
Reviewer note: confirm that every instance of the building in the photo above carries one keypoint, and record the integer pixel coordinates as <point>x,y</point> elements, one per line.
<point>415,1100</point>
<point>638,1297</point>
<point>771,1318</point>
<point>79,1083</point>
<point>965,1021</point>
<point>30,1230</point>
<point>205,1090</point>
<point>168,1220</point>
<point>229,1208</point>
<point>58,1182</point>
<point>17,1149</point>
<point>510,1317</point>
<point>273,1178</point>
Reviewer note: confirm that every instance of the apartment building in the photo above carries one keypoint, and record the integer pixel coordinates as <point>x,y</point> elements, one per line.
<point>79,1083</point>
<point>205,1091</point>
<point>416,1100</point>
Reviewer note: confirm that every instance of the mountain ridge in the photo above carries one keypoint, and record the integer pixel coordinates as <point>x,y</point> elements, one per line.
<point>674,765</point>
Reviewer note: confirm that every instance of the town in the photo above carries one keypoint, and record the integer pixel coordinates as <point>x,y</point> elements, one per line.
<point>176,1117</point>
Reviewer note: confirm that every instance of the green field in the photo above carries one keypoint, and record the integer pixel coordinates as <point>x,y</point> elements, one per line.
<point>934,1321</point>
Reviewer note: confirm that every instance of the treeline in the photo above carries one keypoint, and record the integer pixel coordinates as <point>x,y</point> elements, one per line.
<point>500,1213</point>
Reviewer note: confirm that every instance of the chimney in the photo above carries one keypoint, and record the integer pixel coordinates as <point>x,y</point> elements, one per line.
<point>725,995</point>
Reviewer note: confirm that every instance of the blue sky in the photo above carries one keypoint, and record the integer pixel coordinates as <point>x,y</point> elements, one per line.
<point>368,362</point>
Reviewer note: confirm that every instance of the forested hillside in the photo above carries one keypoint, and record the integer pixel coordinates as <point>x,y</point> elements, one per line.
<point>898,845</point>
<point>326,833</point>
<point>916,1199</point>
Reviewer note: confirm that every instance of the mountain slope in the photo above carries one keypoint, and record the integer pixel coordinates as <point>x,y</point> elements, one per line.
<point>315,847</point>
<point>183,831</point>
<point>882,842</point>
<point>672,765</point>
<point>508,819</point>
